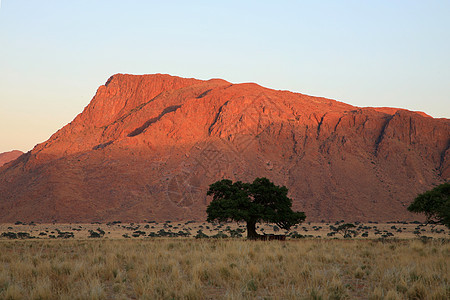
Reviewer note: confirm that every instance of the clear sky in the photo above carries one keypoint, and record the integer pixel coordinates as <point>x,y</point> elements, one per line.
<point>55,54</point>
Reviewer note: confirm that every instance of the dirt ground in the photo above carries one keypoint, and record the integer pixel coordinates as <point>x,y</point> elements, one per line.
<point>114,230</point>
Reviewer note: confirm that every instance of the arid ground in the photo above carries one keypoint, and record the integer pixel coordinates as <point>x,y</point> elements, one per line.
<point>126,261</point>
<point>119,230</point>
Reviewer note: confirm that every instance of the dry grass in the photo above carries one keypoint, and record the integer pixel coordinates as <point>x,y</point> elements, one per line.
<point>186,268</point>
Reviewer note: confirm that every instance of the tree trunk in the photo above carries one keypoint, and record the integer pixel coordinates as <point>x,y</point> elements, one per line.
<point>251,230</point>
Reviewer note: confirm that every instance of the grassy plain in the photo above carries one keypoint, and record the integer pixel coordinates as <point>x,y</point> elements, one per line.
<point>187,268</point>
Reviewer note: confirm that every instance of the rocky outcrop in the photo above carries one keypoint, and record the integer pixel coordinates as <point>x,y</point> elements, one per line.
<point>6,157</point>
<point>147,147</point>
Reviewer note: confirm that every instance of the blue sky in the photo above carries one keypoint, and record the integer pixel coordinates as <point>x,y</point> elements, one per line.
<point>55,54</point>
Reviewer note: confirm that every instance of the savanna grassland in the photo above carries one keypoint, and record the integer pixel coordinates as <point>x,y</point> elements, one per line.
<point>119,230</point>
<point>187,268</point>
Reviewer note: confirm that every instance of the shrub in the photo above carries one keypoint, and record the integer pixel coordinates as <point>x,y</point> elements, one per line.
<point>138,233</point>
<point>96,234</point>
<point>220,235</point>
<point>23,235</point>
<point>235,233</point>
<point>296,235</point>
<point>9,235</point>
<point>65,235</point>
<point>201,235</point>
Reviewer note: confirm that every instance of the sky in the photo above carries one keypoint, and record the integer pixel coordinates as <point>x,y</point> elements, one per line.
<point>55,54</point>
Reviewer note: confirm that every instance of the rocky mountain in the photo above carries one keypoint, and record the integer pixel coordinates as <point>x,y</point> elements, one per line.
<point>147,147</point>
<point>6,157</point>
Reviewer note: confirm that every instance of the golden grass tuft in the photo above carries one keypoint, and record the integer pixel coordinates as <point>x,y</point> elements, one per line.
<point>224,269</point>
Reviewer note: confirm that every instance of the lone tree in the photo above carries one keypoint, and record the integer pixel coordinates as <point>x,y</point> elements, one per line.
<point>435,204</point>
<point>260,201</point>
<point>346,230</point>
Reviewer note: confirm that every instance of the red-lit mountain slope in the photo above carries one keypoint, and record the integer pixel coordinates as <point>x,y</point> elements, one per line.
<point>147,147</point>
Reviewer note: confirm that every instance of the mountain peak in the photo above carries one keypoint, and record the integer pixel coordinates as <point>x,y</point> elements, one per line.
<point>148,146</point>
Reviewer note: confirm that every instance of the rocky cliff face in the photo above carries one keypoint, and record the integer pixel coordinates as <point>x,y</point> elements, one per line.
<point>147,147</point>
<point>6,157</point>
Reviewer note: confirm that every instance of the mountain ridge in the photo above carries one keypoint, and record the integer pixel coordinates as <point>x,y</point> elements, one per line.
<point>147,146</point>
<point>8,156</point>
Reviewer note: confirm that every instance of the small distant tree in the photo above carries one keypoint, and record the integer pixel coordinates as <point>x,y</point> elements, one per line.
<point>346,230</point>
<point>260,201</point>
<point>435,204</point>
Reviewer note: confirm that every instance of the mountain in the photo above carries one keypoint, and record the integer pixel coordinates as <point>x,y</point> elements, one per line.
<point>147,147</point>
<point>6,157</point>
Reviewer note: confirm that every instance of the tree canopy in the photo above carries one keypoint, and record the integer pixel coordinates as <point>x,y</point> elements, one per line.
<point>260,201</point>
<point>435,204</point>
